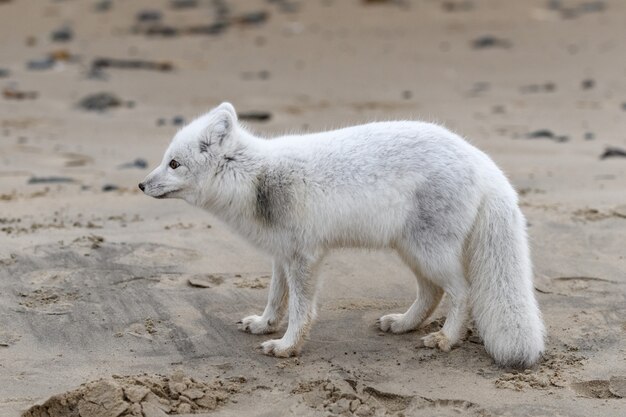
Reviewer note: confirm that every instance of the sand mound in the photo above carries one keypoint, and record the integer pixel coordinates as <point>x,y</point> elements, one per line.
<point>144,395</point>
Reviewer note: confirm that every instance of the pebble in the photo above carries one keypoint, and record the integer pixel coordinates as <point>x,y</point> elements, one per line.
<point>110,187</point>
<point>490,41</point>
<point>149,16</point>
<point>178,120</point>
<point>588,84</point>
<point>547,134</point>
<point>99,102</point>
<point>40,64</point>
<point>611,152</point>
<point>255,116</point>
<point>4,72</point>
<point>103,6</point>
<point>64,34</point>
<point>252,18</point>
<point>137,163</point>
<point>50,180</point>
<point>183,4</point>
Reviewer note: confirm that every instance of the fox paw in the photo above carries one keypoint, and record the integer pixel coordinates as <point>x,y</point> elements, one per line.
<point>438,340</point>
<point>278,348</point>
<point>256,325</point>
<point>393,323</point>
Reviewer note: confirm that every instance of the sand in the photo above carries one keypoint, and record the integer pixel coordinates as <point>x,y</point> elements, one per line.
<point>102,287</point>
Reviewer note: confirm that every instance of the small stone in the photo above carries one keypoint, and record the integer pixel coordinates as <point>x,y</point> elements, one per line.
<point>103,5</point>
<point>255,116</point>
<point>588,84</point>
<point>149,16</point>
<point>193,393</point>
<point>136,393</point>
<point>207,401</point>
<point>589,136</point>
<point>50,180</point>
<point>184,408</point>
<point>109,187</point>
<point>103,399</point>
<point>64,34</point>
<point>40,64</point>
<point>178,120</point>
<point>4,72</point>
<point>99,102</point>
<point>617,386</point>
<point>183,4</point>
<point>611,152</point>
<point>354,404</point>
<point>489,41</point>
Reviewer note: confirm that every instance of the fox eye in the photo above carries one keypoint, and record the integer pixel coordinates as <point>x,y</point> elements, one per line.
<point>174,164</point>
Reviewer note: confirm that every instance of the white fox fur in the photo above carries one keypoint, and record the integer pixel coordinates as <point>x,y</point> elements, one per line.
<point>416,187</point>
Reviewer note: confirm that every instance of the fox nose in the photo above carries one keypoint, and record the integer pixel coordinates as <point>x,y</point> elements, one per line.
<point>141,186</point>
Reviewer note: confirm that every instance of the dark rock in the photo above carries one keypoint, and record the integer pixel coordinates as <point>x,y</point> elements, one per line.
<point>548,87</point>
<point>612,152</point>
<point>4,73</point>
<point>210,29</point>
<point>183,4</point>
<point>547,134</point>
<point>160,121</point>
<point>100,63</point>
<point>110,187</point>
<point>149,16</point>
<point>50,180</point>
<point>255,116</point>
<point>252,18</point>
<point>165,31</point>
<point>40,64</point>
<point>178,120</point>
<point>589,136</point>
<point>286,6</point>
<point>490,41</point>
<point>64,34</point>
<point>137,163</point>
<point>12,93</point>
<point>407,95</point>
<point>588,84</point>
<point>103,5</point>
<point>100,102</point>
<point>457,6</point>
<point>221,9</point>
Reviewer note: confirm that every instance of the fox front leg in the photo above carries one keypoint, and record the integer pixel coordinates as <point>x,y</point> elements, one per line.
<point>276,306</point>
<point>302,282</point>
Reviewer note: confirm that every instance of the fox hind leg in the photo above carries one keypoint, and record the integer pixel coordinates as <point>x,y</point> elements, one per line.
<point>428,297</point>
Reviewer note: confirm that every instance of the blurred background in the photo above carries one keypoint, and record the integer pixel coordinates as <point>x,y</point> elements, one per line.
<point>91,93</point>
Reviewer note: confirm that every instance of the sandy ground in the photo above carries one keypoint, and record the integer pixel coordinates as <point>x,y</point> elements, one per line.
<point>95,284</point>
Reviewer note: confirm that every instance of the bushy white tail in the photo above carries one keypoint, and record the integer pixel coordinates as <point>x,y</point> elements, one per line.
<point>504,306</point>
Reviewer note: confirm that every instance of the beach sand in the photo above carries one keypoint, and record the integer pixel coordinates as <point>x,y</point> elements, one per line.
<point>138,298</point>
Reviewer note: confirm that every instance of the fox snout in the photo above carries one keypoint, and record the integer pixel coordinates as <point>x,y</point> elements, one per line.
<point>142,187</point>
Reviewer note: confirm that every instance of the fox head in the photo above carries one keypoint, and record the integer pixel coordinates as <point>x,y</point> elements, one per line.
<point>195,157</point>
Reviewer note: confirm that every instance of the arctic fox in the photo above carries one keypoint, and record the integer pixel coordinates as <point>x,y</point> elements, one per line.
<point>415,187</point>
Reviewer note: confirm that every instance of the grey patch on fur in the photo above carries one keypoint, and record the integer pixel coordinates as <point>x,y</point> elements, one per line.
<point>273,196</point>
<point>205,145</point>
<point>435,204</point>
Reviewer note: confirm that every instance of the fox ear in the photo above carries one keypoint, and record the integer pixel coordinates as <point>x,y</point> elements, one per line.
<point>222,123</point>
<point>229,108</point>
